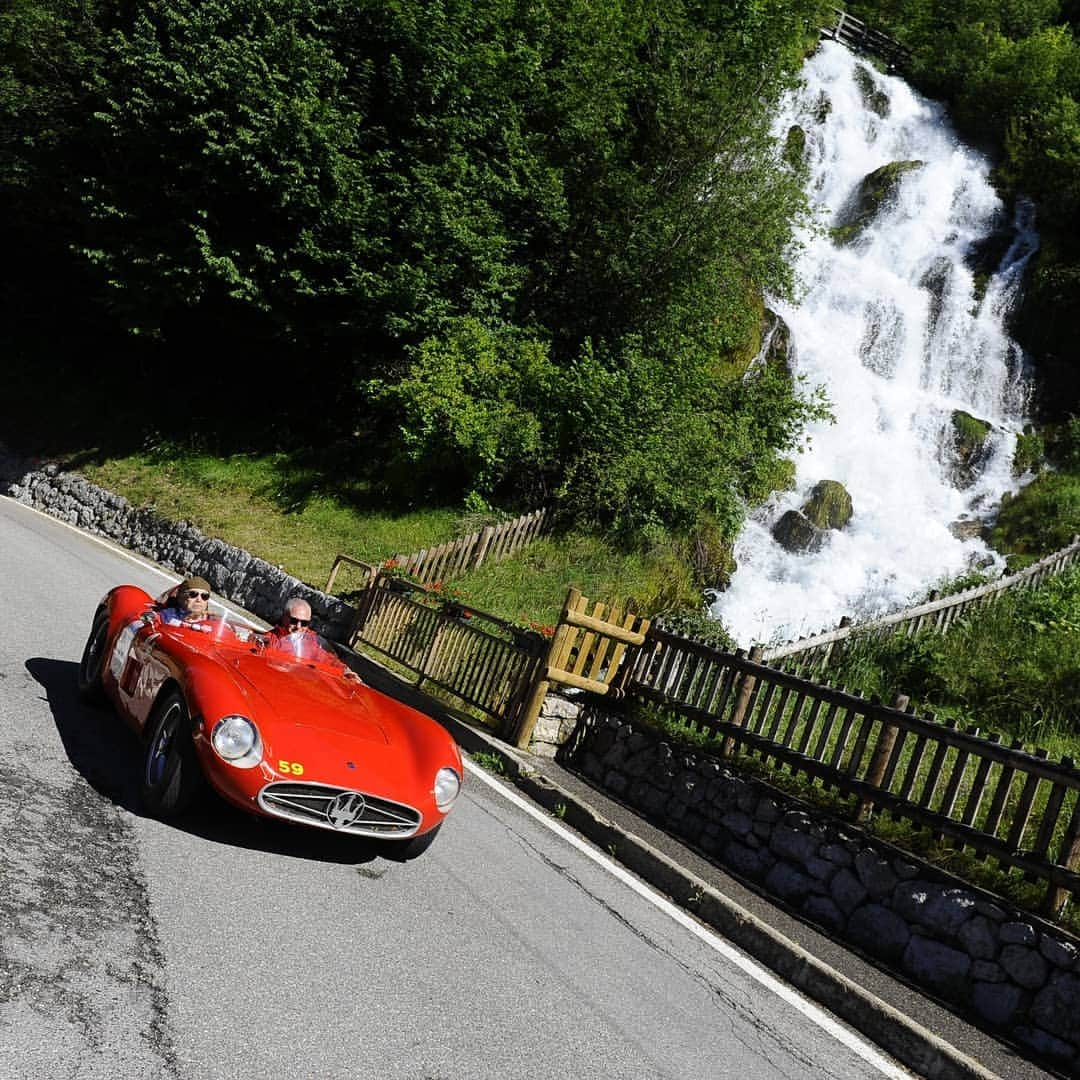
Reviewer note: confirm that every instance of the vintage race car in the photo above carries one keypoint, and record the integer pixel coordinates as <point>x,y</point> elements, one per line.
<point>279,728</point>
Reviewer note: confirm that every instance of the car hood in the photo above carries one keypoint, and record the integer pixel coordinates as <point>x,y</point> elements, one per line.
<point>286,692</point>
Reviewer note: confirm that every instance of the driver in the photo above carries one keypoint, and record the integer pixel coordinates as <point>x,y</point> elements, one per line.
<point>293,635</point>
<point>188,604</point>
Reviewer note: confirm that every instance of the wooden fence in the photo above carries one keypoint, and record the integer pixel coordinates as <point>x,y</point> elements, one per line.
<point>938,614</point>
<point>486,662</point>
<point>1001,801</point>
<point>856,35</point>
<point>491,543</point>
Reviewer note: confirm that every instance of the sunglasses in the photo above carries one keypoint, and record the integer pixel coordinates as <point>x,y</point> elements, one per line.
<point>195,594</point>
<point>298,622</point>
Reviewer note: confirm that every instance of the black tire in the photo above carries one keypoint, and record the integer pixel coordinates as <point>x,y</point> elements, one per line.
<point>90,688</point>
<point>412,849</point>
<point>171,776</point>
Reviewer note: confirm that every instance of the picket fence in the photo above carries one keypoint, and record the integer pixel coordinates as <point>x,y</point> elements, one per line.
<point>860,37</point>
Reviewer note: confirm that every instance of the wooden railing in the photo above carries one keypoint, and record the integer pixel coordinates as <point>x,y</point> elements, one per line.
<point>486,662</point>
<point>815,653</point>
<point>1003,802</point>
<point>856,35</point>
<point>445,561</point>
<point>491,543</point>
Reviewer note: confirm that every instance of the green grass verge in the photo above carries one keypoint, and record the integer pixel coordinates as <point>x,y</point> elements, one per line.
<point>298,517</point>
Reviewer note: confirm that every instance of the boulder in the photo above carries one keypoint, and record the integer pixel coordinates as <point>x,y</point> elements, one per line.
<point>875,99</point>
<point>794,532</point>
<point>875,191</point>
<point>936,281</point>
<point>776,338</point>
<point>970,442</point>
<point>829,505</point>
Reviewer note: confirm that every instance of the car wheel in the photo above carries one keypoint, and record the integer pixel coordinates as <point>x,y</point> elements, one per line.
<point>171,773</point>
<point>90,688</point>
<point>411,849</point>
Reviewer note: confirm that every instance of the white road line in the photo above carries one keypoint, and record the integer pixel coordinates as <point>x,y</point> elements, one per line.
<point>171,576</point>
<point>813,1012</point>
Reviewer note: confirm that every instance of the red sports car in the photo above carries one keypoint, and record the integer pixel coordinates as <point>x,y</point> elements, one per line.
<point>280,732</point>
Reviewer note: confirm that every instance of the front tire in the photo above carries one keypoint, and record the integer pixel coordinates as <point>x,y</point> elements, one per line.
<point>90,687</point>
<point>414,847</point>
<point>172,777</point>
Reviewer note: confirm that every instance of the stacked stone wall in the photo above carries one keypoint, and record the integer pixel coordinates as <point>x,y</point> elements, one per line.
<point>252,583</point>
<point>1012,972</point>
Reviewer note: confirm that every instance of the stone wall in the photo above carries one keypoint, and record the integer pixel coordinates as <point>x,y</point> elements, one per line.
<point>1008,970</point>
<point>252,583</point>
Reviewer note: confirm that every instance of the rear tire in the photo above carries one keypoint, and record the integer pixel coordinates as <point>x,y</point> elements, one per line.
<point>171,777</point>
<point>90,687</point>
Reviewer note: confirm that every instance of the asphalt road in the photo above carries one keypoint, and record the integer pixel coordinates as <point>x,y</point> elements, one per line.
<point>227,947</point>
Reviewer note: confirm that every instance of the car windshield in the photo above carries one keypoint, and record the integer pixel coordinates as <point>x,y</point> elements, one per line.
<point>303,645</point>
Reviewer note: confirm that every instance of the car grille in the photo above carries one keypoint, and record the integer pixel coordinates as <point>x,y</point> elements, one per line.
<point>340,809</point>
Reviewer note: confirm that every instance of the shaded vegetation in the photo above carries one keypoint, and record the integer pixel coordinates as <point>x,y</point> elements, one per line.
<point>490,251</point>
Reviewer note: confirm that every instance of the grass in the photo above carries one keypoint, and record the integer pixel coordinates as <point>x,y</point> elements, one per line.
<point>492,762</point>
<point>290,514</point>
<point>272,507</point>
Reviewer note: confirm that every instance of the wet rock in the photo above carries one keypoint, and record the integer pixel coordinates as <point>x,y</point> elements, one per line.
<point>970,443</point>
<point>874,192</point>
<point>795,533</point>
<point>829,505</point>
<point>875,99</point>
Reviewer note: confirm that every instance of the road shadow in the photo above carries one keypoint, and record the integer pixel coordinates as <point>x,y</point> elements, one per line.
<point>109,756</point>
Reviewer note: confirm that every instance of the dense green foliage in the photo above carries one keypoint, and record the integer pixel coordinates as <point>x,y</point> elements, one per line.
<point>436,225</point>
<point>1012,667</point>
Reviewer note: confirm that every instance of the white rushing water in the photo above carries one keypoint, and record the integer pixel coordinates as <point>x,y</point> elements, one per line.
<point>895,330</point>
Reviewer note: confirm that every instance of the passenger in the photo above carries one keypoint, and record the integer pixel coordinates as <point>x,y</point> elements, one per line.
<point>293,635</point>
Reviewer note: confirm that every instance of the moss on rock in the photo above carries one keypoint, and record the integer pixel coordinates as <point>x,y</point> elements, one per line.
<point>829,505</point>
<point>875,191</point>
<point>795,532</point>
<point>876,100</point>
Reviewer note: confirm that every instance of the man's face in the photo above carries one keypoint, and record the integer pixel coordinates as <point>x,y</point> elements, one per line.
<point>297,618</point>
<point>196,602</point>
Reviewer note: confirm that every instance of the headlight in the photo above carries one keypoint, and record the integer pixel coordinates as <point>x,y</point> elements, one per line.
<point>236,739</point>
<point>447,786</point>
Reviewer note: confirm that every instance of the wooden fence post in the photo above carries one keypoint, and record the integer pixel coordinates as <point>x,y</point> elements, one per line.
<point>882,752</point>
<point>742,699</point>
<point>523,730</point>
<point>486,533</point>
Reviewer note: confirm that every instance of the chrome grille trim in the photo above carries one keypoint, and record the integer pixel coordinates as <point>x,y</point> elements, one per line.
<point>308,803</point>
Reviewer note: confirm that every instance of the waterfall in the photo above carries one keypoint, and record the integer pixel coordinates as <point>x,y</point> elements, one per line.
<point>901,331</point>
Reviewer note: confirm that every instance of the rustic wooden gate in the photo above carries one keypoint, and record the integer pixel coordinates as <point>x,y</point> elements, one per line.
<point>586,652</point>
